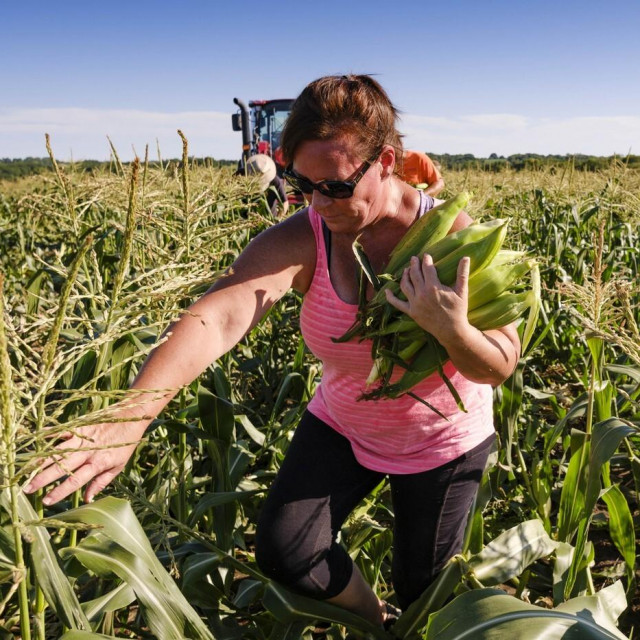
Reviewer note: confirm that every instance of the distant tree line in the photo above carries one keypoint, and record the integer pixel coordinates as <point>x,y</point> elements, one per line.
<point>18,167</point>
<point>12,168</point>
<point>520,161</point>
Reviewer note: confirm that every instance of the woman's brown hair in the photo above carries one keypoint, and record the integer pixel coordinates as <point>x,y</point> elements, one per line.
<point>333,106</point>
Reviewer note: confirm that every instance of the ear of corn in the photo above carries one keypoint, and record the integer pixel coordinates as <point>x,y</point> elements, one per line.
<point>473,233</point>
<point>432,226</point>
<point>507,256</point>
<point>502,311</point>
<point>489,283</point>
<point>481,252</point>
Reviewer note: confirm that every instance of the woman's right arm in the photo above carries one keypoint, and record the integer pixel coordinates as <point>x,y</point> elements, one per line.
<point>280,258</point>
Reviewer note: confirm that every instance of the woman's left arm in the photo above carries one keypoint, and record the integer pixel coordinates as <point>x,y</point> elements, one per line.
<point>487,357</point>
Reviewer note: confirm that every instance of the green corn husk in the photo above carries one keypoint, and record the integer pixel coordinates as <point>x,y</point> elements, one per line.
<point>504,310</point>
<point>489,283</point>
<point>429,357</point>
<point>481,253</point>
<point>432,226</point>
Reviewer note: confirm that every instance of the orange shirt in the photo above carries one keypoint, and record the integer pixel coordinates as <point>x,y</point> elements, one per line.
<point>418,168</point>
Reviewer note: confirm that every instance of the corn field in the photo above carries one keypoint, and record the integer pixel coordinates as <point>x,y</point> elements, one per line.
<point>94,266</point>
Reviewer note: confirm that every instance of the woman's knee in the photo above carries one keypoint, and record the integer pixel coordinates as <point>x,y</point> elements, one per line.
<point>295,547</point>
<point>291,539</point>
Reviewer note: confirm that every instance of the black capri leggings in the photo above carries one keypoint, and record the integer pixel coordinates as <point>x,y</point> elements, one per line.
<point>321,482</point>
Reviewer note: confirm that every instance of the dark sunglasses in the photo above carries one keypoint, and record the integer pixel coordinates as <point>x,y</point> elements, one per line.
<point>339,189</point>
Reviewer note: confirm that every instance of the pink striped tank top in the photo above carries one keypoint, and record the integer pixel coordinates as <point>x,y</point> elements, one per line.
<point>400,435</point>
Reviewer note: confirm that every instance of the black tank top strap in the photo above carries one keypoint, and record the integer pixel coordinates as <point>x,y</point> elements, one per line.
<point>326,234</point>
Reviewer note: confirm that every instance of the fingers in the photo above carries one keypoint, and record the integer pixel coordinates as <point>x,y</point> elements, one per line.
<point>56,467</point>
<point>396,302</point>
<point>462,278</point>
<point>78,479</point>
<point>50,457</point>
<point>428,269</point>
<point>407,281</point>
<point>461,286</point>
<point>99,483</point>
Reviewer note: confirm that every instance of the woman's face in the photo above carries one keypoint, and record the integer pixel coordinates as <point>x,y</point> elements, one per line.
<point>337,159</point>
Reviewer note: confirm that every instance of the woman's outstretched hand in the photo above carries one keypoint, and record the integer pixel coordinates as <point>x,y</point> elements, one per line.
<point>93,456</point>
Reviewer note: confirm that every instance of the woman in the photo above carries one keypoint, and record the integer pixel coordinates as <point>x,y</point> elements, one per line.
<point>342,145</point>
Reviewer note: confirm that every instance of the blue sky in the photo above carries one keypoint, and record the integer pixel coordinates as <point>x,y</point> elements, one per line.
<point>469,77</point>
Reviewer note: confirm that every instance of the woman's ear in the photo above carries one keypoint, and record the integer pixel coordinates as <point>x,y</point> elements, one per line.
<point>387,160</point>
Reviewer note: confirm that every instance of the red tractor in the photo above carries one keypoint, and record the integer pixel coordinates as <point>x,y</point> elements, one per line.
<point>261,125</point>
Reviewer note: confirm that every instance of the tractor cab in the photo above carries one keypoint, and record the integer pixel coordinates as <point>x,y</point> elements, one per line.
<point>261,124</point>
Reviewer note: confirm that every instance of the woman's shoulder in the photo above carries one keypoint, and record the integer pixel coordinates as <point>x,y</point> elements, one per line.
<point>289,244</point>
<point>296,227</point>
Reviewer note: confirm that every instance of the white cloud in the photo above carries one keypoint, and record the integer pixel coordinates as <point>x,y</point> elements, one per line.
<point>499,121</point>
<point>506,134</point>
<point>81,133</point>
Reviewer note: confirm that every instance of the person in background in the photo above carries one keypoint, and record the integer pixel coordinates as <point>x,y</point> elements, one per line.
<point>342,145</point>
<point>418,169</point>
<point>264,168</point>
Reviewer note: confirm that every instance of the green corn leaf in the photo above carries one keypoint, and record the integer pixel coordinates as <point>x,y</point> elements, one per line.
<point>428,405</point>
<point>605,607</point>
<point>452,390</point>
<point>290,607</point>
<point>118,598</point>
<point>622,530</point>
<point>563,559</point>
<point>508,410</point>
<point>216,415</point>
<point>625,370</point>
<point>211,500</point>
<point>577,410</point>
<point>578,575</point>
<point>50,576</point>
<point>534,308</point>
<point>253,432</point>
<point>7,553</point>
<point>33,291</point>
<point>248,592</point>
<point>433,598</point>
<point>573,495</point>
<point>84,635</point>
<point>123,548</point>
<point>201,582</point>
<point>605,440</point>
<point>165,616</point>
<point>288,630</point>
<point>548,325</point>
<point>123,350</point>
<point>512,552</point>
<point>490,614</point>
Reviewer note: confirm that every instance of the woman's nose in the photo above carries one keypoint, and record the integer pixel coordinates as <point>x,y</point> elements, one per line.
<point>318,201</point>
